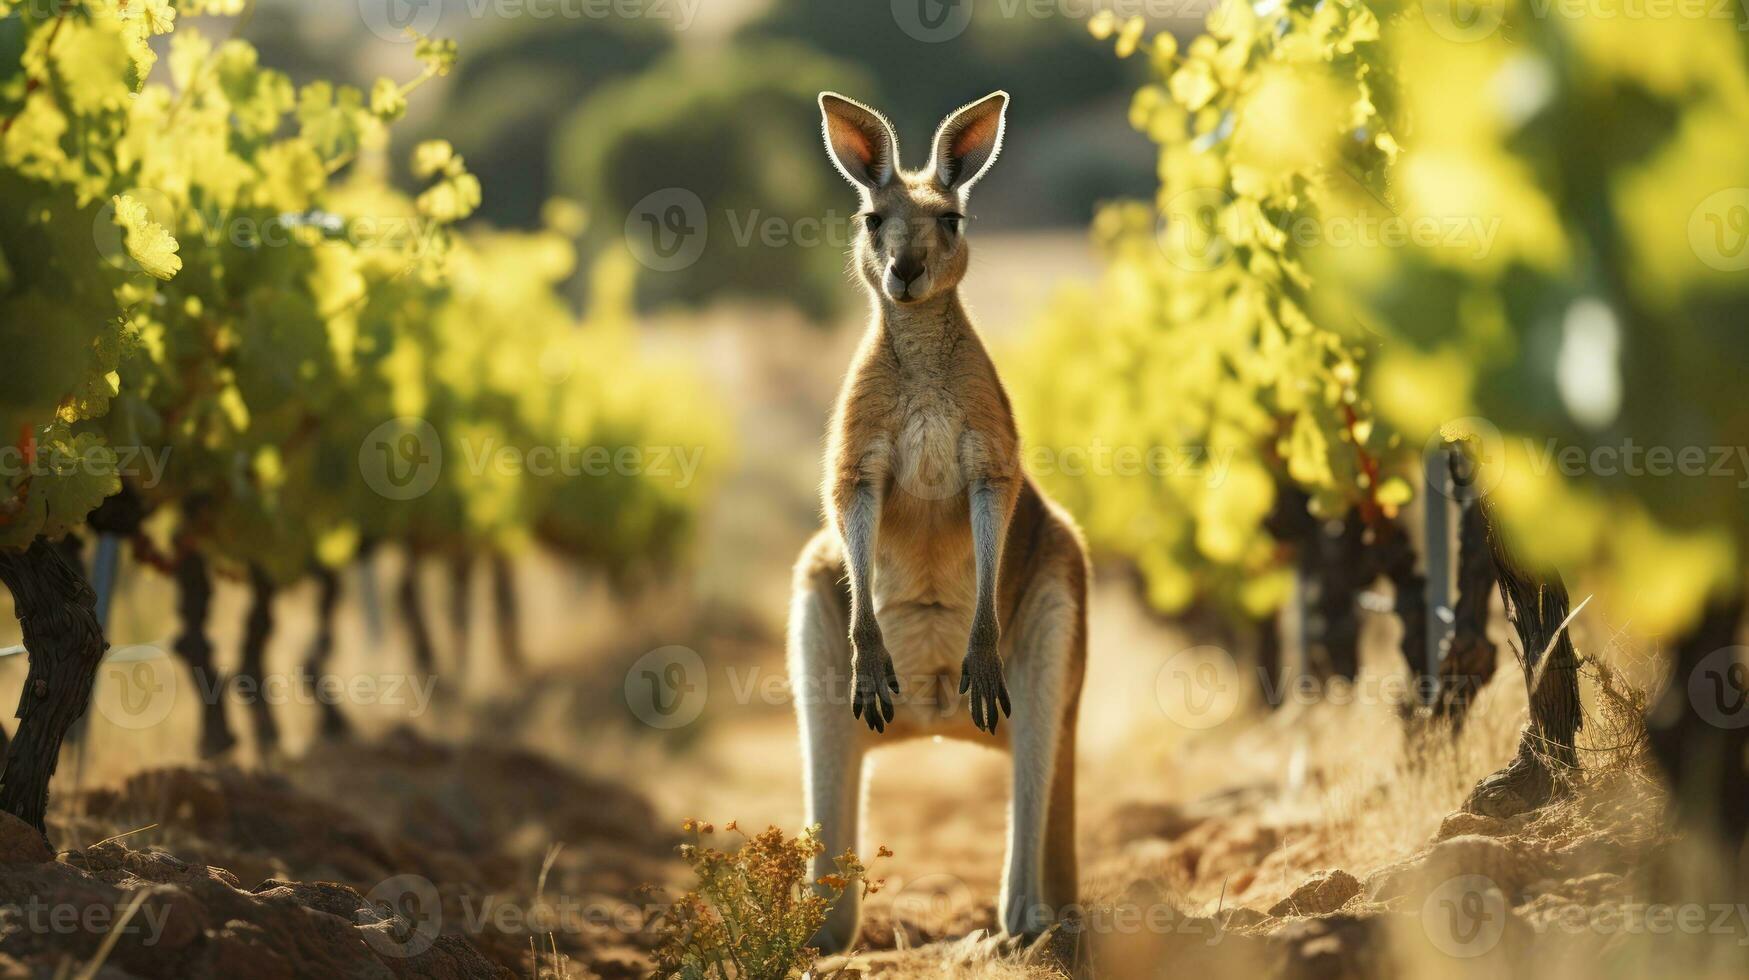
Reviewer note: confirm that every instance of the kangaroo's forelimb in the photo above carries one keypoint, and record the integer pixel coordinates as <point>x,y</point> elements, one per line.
<point>981,673</point>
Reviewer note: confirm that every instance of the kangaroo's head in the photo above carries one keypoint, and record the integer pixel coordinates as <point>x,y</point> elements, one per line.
<point>910,235</point>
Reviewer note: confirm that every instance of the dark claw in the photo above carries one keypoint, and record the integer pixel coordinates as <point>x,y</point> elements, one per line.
<point>871,695</point>
<point>989,693</point>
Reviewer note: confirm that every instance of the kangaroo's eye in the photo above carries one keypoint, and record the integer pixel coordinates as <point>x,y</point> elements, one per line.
<point>950,223</point>
<point>874,222</point>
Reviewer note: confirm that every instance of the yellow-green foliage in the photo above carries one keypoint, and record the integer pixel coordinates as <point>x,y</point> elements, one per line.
<point>753,911</point>
<point>1387,217</point>
<point>1173,397</point>
<point>539,414</point>
<point>64,124</point>
<point>260,304</point>
<point>245,357</point>
<point>1603,321</point>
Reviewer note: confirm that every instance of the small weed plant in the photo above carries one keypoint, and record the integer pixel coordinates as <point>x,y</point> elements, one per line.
<point>753,910</point>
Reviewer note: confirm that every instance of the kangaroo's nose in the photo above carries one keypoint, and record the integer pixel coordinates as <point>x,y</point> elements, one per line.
<point>907,268</point>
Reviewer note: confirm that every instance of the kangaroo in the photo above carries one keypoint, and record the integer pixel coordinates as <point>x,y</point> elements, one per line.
<point>938,551</point>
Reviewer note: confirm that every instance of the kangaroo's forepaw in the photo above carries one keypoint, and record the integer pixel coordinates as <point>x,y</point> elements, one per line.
<point>981,676</point>
<point>872,686</point>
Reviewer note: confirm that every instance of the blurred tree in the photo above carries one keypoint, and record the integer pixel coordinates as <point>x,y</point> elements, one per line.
<point>510,93</point>
<point>926,61</point>
<point>295,40</point>
<point>719,154</point>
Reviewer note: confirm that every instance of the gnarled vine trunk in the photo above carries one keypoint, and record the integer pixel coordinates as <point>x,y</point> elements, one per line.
<point>1392,556</point>
<point>1333,562</point>
<point>194,596</point>
<point>1469,659</point>
<point>508,613</point>
<point>332,723</point>
<point>1537,606</point>
<point>1699,730</point>
<point>57,614</point>
<point>461,608</point>
<point>411,600</point>
<point>257,630</point>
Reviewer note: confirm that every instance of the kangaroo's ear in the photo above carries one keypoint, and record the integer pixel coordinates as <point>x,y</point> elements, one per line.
<point>859,140</point>
<point>968,141</point>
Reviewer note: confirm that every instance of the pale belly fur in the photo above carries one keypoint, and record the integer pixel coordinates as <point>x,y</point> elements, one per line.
<point>925,580</point>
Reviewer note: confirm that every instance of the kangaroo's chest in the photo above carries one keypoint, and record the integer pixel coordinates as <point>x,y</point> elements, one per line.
<point>926,467</point>
<point>924,547</point>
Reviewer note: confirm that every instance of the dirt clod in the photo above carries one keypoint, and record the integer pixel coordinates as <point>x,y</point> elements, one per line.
<point>1322,893</point>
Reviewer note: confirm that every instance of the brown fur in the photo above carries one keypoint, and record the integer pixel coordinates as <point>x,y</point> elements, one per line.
<point>923,451</point>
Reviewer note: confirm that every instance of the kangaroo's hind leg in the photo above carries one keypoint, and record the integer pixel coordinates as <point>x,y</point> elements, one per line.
<point>832,744</point>
<point>1045,669</point>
